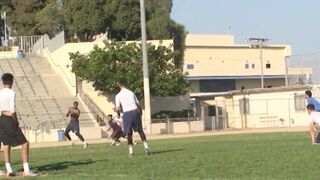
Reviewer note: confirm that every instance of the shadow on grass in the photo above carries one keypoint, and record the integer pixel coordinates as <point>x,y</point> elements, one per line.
<point>63,165</point>
<point>166,151</point>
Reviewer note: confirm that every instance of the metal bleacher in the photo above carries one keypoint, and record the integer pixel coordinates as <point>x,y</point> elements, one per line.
<point>41,95</point>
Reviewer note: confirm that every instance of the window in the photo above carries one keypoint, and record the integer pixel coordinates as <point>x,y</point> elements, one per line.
<point>190,66</point>
<point>246,65</point>
<point>244,106</point>
<point>253,66</point>
<point>299,102</point>
<point>268,65</point>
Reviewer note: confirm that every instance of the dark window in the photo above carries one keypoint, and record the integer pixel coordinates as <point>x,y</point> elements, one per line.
<point>217,85</point>
<point>246,66</point>
<point>268,65</point>
<point>253,66</point>
<point>190,66</point>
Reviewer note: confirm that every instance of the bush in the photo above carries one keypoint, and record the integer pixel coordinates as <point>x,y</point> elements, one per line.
<point>173,114</point>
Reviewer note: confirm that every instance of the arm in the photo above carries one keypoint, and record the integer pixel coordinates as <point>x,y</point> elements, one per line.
<point>69,112</point>
<point>12,102</point>
<point>138,104</point>
<point>312,132</point>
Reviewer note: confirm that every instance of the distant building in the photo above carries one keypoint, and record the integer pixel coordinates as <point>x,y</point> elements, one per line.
<point>214,63</point>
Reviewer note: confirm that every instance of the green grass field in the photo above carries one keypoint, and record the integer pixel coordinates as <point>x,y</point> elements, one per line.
<point>247,156</point>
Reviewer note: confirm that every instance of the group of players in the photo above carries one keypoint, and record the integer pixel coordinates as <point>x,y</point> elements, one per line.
<point>128,120</point>
<point>127,105</point>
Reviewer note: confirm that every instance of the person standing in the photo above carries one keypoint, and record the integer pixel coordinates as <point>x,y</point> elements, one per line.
<point>128,104</point>
<point>314,124</point>
<point>11,134</point>
<point>312,100</point>
<point>73,125</point>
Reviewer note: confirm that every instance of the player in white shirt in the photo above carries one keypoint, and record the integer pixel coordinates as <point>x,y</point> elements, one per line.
<point>314,125</point>
<point>11,133</point>
<point>128,104</point>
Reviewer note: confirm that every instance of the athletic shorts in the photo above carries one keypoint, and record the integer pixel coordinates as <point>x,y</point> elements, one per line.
<point>117,134</point>
<point>132,121</point>
<point>73,126</point>
<point>10,132</point>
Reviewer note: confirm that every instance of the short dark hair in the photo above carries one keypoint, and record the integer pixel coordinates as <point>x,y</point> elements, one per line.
<point>76,102</point>
<point>310,107</point>
<point>308,93</point>
<point>122,82</point>
<point>7,78</point>
<point>110,115</point>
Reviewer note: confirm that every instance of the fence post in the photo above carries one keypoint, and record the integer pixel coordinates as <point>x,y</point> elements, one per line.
<point>168,125</point>
<point>289,112</point>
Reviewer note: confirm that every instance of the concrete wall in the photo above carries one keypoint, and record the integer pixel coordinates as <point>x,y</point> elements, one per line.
<point>217,55</point>
<point>266,110</point>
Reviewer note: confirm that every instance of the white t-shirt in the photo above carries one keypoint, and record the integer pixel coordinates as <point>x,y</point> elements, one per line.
<point>315,117</point>
<point>127,99</point>
<point>7,100</point>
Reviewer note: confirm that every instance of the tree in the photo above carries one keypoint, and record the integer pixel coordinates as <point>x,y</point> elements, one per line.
<point>104,66</point>
<point>124,19</point>
<point>21,15</point>
<point>84,18</point>
<point>50,19</point>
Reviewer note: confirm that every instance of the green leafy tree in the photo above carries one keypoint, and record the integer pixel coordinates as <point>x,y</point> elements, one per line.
<point>21,15</point>
<point>84,18</point>
<point>124,19</point>
<point>104,66</point>
<point>50,19</point>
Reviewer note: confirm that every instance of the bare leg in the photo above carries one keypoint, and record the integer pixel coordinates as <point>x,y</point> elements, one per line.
<point>6,153</point>
<point>25,152</point>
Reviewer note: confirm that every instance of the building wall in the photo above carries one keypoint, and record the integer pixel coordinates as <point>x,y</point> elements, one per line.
<point>227,61</point>
<point>266,110</point>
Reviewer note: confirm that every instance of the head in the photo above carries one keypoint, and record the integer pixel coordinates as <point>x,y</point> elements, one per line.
<point>308,94</point>
<point>310,108</point>
<point>7,79</point>
<point>121,83</point>
<point>109,117</point>
<point>75,104</point>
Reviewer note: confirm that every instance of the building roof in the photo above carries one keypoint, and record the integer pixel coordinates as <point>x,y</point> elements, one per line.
<point>250,91</point>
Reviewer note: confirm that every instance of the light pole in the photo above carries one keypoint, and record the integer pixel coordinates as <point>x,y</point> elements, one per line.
<point>147,108</point>
<point>259,42</point>
<point>4,16</point>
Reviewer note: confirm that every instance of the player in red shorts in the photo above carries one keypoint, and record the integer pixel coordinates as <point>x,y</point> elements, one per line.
<point>117,132</point>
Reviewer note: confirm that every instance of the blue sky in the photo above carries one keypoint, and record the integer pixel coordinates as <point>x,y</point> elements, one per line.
<point>295,22</point>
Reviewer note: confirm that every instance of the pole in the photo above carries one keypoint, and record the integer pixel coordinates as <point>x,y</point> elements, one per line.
<point>286,70</point>
<point>147,108</point>
<point>261,62</point>
<point>5,29</point>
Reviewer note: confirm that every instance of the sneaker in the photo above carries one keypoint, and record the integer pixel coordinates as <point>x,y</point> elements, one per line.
<point>131,155</point>
<point>148,152</point>
<point>30,174</point>
<point>85,145</point>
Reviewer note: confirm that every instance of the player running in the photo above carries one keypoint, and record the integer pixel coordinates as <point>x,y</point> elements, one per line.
<point>128,104</point>
<point>73,125</point>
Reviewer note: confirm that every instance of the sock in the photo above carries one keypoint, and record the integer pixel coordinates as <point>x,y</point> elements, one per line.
<point>26,167</point>
<point>9,168</point>
<point>145,144</point>
<point>130,150</point>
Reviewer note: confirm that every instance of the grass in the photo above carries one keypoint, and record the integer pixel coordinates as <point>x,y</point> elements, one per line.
<point>247,156</point>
